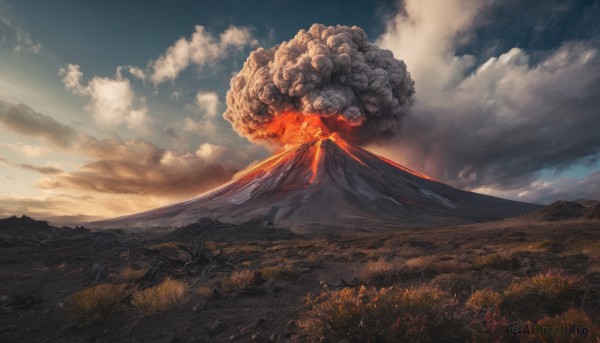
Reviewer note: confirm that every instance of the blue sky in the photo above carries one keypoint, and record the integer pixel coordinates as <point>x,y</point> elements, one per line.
<point>93,125</point>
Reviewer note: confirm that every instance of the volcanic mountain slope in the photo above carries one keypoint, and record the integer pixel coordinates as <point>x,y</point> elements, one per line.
<point>329,181</point>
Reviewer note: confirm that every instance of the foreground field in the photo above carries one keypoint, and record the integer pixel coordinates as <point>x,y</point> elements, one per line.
<point>513,280</point>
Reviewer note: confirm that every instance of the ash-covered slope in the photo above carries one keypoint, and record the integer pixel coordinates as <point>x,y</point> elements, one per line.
<point>330,182</point>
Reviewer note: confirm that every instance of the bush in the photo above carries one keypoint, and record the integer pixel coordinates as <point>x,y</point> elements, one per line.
<point>161,297</point>
<point>383,315</point>
<point>483,300</point>
<point>493,328</point>
<point>549,284</point>
<point>96,303</point>
<point>239,279</point>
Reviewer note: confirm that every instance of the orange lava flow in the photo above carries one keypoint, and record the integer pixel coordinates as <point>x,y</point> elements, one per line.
<point>292,128</point>
<point>404,168</point>
<point>346,147</point>
<point>315,164</point>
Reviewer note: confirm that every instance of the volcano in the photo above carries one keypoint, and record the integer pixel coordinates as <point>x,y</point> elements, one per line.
<point>329,182</point>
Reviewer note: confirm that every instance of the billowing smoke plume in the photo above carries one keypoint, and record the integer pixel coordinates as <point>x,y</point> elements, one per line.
<point>353,87</point>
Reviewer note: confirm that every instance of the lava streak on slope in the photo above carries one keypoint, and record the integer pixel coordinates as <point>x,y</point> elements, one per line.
<point>390,162</point>
<point>315,164</point>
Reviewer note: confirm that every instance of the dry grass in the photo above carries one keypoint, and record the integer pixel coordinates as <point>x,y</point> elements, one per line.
<point>161,297</point>
<point>440,263</point>
<point>381,268</point>
<point>540,245</point>
<point>593,251</point>
<point>484,299</point>
<point>383,315</point>
<point>282,271</point>
<point>96,303</point>
<point>127,275</point>
<point>239,279</point>
<point>487,260</point>
<point>550,284</point>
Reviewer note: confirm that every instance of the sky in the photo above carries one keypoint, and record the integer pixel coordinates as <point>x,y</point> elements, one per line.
<point>114,107</point>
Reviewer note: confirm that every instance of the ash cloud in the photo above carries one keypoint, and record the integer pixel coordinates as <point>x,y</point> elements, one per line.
<point>325,71</point>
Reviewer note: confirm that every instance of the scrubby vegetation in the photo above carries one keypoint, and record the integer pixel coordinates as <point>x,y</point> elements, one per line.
<point>466,284</point>
<point>484,299</point>
<point>391,314</point>
<point>239,279</point>
<point>161,297</point>
<point>96,303</point>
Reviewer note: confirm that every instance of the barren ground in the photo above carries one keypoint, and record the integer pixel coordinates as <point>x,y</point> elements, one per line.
<point>42,267</point>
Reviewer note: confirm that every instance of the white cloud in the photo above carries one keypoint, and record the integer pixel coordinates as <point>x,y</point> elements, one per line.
<point>208,103</point>
<point>494,124</point>
<point>202,48</point>
<point>112,101</point>
<point>137,72</point>
<point>28,150</point>
<point>210,152</point>
<point>72,79</point>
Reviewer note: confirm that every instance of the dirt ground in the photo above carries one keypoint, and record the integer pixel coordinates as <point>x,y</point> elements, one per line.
<point>42,267</point>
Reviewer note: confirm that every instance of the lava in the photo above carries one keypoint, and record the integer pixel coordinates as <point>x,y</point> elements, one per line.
<point>315,164</point>
<point>346,147</point>
<point>293,128</point>
<point>390,162</point>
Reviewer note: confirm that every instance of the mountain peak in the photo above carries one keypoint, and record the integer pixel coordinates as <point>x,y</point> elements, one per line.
<point>329,181</point>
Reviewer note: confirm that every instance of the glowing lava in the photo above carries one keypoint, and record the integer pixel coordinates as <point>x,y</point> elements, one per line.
<point>315,164</point>
<point>404,168</point>
<point>293,128</point>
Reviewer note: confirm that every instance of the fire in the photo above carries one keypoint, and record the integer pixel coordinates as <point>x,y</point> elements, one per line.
<point>293,128</point>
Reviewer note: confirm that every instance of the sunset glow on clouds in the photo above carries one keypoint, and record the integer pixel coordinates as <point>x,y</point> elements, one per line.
<point>97,122</point>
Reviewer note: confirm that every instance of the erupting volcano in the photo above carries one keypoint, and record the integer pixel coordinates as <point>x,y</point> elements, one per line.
<point>331,182</point>
<point>320,95</point>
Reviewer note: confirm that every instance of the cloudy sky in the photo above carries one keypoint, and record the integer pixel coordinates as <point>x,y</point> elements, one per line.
<point>116,107</point>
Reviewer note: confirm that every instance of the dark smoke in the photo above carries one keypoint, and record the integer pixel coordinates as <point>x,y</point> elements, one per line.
<point>324,71</point>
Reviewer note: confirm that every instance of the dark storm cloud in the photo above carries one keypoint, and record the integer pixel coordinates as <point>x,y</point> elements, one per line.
<point>509,120</point>
<point>23,119</point>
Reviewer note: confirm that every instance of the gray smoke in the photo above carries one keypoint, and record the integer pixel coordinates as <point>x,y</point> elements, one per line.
<point>326,71</point>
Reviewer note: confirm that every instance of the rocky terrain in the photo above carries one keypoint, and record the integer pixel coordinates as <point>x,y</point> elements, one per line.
<point>254,282</point>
